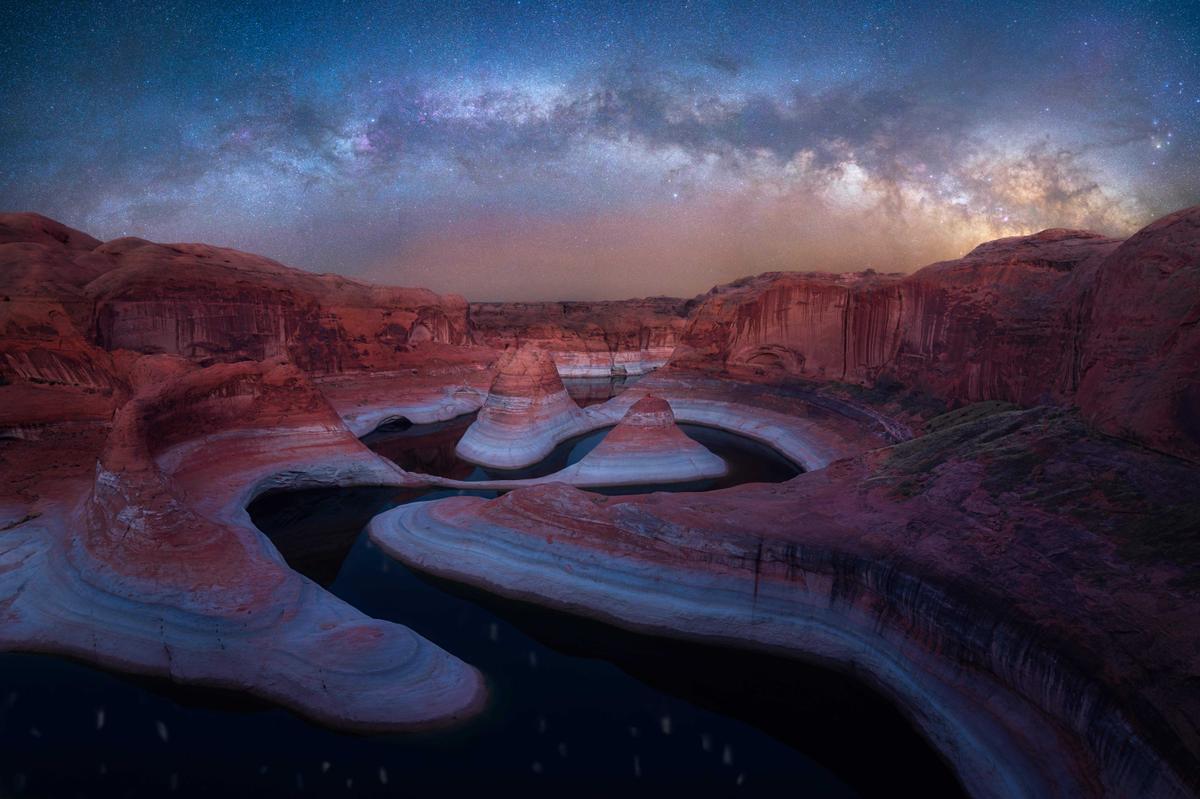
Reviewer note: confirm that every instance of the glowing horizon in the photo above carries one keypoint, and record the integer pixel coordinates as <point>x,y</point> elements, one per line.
<point>528,151</point>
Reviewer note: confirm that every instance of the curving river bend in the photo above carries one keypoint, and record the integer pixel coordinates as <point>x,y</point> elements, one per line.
<point>577,708</point>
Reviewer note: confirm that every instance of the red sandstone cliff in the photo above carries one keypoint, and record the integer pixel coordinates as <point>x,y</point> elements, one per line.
<point>1139,365</point>
<point>214,304</point>
<point>587,338</point>
<point>822,326</point>
<point>66,291</point>
<point>995,324</point>
<point>1061,316</point>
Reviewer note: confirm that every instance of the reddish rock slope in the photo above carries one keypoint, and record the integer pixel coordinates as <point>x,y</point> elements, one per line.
<point>63,288</point>
<point>1139,366</point>
<point>1061,316</point>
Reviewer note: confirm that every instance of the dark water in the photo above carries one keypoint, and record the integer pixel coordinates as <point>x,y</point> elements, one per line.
<point>578,708</point>
<point>595,390</point>
<point>429,449</point>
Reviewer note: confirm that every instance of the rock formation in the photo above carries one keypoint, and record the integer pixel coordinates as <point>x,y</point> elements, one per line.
<point>587,339</point>
<point>130,547</point>
<point>212,304</point>
<point>646,447</point>
<point>1025,319</point>
<point>526,413</point>
<point>1020,581</point>
<point>1019,671</point>
<point>1140,345</point>
<point>834,327</point>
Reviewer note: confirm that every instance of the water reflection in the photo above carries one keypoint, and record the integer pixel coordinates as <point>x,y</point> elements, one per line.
<point>703,700</point>
<point>429,449</point>
<point>596,390</point>
<point>578,708</point>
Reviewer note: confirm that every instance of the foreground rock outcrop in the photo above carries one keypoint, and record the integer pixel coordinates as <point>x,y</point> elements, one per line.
<point>134,551</point>
<point>1020,671</point>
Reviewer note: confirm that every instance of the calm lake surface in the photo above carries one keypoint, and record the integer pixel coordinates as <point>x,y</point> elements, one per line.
<point>578,708</point>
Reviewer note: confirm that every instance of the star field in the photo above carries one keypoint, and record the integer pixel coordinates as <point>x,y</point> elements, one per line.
<point>572,150</point>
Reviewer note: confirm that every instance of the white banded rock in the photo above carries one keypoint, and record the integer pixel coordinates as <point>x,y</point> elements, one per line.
<point>526,413</point>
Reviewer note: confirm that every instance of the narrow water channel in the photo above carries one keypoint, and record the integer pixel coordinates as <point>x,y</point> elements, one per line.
<point>577,708</point>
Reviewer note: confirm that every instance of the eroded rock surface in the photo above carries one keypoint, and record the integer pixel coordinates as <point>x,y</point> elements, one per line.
<point>587,339</point>
<point>1023,586</point>
<point>526,413</point>
<point>1140,352</point>
<point>130,547</point>
<point>973,573</point>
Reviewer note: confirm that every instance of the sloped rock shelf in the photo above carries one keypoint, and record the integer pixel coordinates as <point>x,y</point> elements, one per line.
<point>572,701</point>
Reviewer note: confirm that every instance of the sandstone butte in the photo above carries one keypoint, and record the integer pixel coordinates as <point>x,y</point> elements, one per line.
<point>647,443</point>
<point>644,448</point>
<point>997,525</point>
<point>526,413</point>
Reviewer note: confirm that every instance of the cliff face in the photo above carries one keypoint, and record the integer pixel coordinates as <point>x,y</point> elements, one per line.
<point>987,326</point>
<point>72,294</point>
<point>1139,365</point>
<point>833,327</point>
<point>211,304</point>
<point>587,339</point>
<point>1062,316</point>
<point>995,324</point>
<point>49,369</point>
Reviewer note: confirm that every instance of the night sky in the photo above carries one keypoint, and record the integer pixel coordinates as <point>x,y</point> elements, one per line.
<point>569,150</point>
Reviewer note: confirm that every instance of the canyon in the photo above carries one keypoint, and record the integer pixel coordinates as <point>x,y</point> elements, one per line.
<point>996,523</point>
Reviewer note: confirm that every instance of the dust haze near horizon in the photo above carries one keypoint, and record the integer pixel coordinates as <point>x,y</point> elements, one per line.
<point>539,150</point>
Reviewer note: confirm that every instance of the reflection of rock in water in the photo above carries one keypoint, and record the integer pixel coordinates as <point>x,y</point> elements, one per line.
<point>429,449</point>
<point>833,718</point>
<point>596,390</point>
<point>829,717</point>
<point>314,530</point>
<point>426,449</point>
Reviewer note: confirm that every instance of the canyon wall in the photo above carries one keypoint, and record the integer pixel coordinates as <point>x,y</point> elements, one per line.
<point>1047,318</point>
<point>65,297</point>
<point>1139,358</point>
<point>211,304</point>
<point>1062,316</point>
<point>587,339</point>
<point>814,325</point>
<point>995,323</point>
